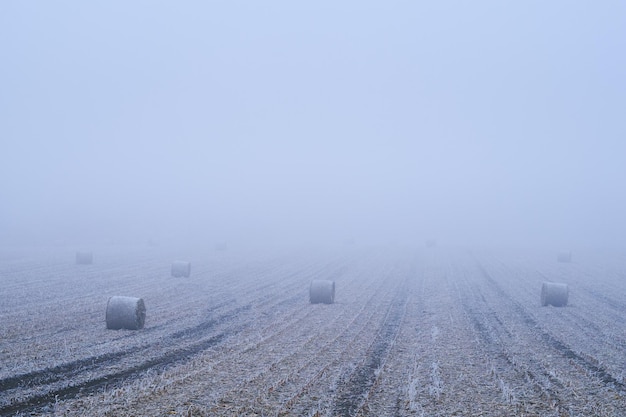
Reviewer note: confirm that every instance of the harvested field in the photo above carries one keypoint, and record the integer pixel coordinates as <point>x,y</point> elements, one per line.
<point>412,332</point>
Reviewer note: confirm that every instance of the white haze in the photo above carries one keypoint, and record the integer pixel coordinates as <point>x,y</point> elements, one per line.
<point>490,122</point>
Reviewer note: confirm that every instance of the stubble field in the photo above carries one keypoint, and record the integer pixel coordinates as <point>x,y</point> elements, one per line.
<point>413,332</point>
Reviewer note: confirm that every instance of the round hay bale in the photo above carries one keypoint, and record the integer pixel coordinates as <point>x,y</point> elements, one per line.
<point>564,257</point>
<point>84,258</point>
<point>554,293</point>
<point>125,313</point>
<point>181,269</point>
<point>322,291</point>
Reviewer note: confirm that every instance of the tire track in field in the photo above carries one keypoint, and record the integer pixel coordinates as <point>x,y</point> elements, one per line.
<point>352,394</point>
<point>311,372</point>
<point>567,352</point>
<point>74,368</point>
<point>496,339</point>
<point>390,393</point>
<point>38,380</point>
<point>286,370</point>
<point>311,379</point>
<point>38,389</point>
<point>580,319</point>
<point>40,401</point>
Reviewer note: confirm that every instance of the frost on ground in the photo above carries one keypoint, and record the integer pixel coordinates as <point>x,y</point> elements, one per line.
<point>412,332</point>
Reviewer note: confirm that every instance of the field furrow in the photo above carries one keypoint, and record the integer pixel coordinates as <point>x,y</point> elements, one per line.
<point>412,332</point>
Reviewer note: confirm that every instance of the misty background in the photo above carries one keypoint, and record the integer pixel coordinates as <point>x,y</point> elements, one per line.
<point>491,123</point>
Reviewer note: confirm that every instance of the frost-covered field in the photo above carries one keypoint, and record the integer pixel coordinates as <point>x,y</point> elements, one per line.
<point>423,332</point>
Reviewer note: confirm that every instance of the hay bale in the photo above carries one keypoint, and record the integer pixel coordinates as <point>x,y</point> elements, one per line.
<point>554,293</point>
<point>84,258</point>
<point>564,257</point>
<point>181,269</point>
<point>322,291</point>
<point>125,313</point>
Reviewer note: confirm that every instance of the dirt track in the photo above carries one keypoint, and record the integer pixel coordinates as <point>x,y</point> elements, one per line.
<point>432,332</point>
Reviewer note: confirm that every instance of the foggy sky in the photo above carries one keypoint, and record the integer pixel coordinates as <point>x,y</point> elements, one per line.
<point>473,122</point>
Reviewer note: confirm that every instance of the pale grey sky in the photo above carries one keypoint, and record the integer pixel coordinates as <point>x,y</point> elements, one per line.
<point>475,122</point>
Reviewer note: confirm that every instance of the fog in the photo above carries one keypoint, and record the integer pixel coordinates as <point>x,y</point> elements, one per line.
<point>475,123</point>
